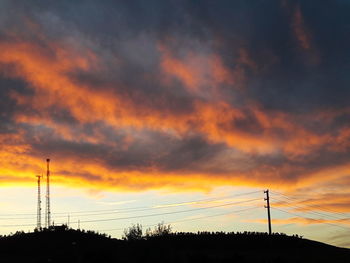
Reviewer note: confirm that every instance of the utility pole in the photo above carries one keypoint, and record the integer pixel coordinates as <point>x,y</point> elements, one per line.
<point>48,212</point>
<point>267,199</point>
<point>38,217</point>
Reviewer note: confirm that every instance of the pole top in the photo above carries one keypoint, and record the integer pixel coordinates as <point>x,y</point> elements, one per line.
<point>48,160</point>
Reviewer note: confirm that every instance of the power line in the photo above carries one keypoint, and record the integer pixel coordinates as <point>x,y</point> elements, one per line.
<point>151,215</point>
<point>190,219</point>
<point>310,218</point>
<point>21,225</point>
<point>313,206</point>
<point>310,212</point>
<point>133,209</point>
<point>99,214</point>
<point>171,205</point>
<point>308,205</point>
<point>168,213</point>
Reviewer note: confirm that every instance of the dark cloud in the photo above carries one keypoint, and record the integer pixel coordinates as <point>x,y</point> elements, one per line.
<point>119,151</point>
<point>8,105</point>
<point>284,80</point>
<point>245,78</point>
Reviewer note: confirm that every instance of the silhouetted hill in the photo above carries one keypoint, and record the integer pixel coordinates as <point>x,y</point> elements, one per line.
<point>66,245</point>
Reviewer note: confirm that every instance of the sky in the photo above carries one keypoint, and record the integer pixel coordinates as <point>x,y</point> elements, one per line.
<point>150,108</point>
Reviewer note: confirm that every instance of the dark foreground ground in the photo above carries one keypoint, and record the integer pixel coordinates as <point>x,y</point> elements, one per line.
<point>63,245</point>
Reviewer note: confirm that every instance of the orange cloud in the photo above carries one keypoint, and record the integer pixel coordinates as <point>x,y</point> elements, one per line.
<point>48,74</point>
<point>53,87</point>
<point>49,77</point>
<point>201,74</point>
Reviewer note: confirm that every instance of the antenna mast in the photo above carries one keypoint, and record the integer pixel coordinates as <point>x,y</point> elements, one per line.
<point>38,218</point>
<point>48,212</point>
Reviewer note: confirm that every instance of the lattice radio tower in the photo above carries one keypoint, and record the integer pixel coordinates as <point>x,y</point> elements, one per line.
<point>48,212</point>
<point>38,216</point>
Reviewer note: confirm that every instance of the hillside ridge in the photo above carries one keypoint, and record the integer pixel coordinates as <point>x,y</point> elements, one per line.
<point>61,244</point>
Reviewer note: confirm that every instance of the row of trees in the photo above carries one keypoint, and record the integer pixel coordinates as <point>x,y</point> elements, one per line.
<point>135,232</point>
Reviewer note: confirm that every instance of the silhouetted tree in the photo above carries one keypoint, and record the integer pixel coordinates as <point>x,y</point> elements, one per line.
<point>160,230</point>
<point>133,233</point>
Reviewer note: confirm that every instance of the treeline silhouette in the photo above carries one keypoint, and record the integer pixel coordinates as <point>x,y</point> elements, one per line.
<point>62,244</point>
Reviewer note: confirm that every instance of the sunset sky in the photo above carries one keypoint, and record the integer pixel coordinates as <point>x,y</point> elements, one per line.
<point>177,111</point>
